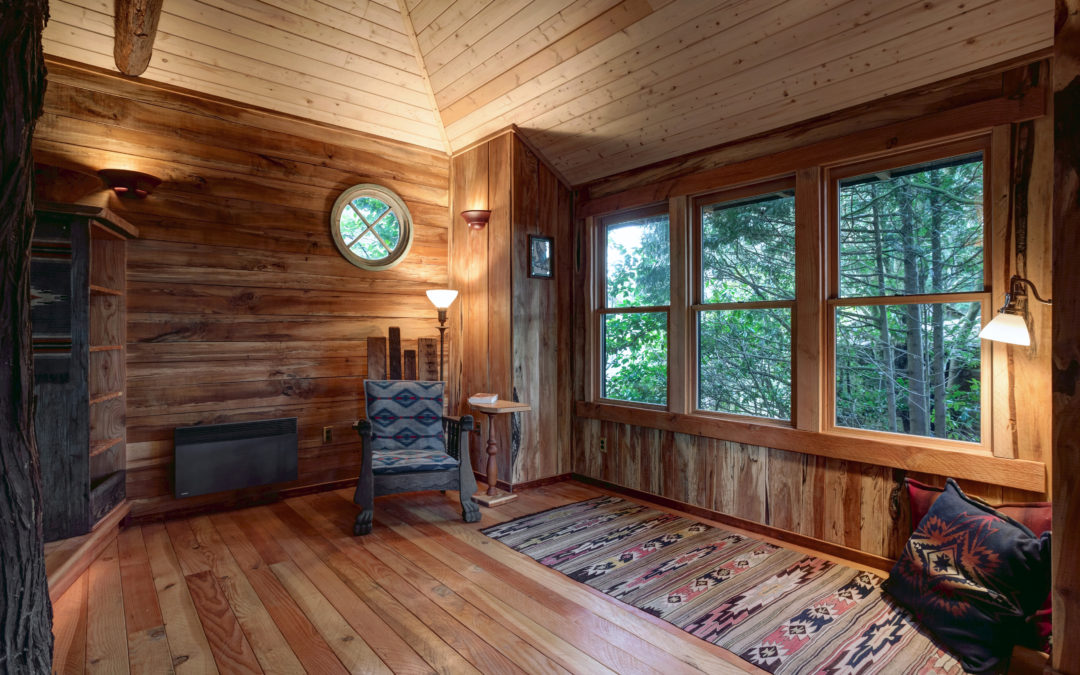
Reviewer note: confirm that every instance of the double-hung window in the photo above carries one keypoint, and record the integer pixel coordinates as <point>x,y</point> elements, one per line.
<point>635,289</point>
<point>908,295</point>
<point>743,253</point>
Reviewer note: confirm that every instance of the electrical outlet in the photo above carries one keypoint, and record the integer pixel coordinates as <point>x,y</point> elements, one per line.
<point>603,445</point>
<point>327,434</point>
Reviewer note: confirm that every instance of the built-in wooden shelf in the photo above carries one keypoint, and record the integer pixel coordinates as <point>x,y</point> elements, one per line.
<point>105,348</point>
<point>107,396</point>
<point>94,288</point>
<point>98,447</point>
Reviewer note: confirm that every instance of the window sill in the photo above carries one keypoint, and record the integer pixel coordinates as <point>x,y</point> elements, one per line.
<point>1016,473</point>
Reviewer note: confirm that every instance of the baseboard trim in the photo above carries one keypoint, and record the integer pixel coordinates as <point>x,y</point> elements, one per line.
<point>539,482</point>
<point>828,548</point>
<point>69,564</point>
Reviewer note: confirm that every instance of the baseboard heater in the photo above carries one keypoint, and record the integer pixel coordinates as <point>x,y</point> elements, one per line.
<point>218,457</point>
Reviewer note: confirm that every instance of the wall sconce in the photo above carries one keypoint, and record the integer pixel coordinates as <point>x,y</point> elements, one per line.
<point>442,299</point>
<point>1010,325</point>
<point>130,184</point>
<point>476,218</point>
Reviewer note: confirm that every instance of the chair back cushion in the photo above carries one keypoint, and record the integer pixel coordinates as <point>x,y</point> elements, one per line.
<point>405,414</point>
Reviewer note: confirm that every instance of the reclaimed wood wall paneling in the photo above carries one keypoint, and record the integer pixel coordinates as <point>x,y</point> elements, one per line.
<point>240,307</point>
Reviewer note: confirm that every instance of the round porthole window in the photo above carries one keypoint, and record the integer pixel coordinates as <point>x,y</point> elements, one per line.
<point>371,226</point>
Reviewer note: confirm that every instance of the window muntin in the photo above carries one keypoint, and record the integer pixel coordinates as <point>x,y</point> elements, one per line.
<point>371,226</point>
<point>745,288</point>
<point>633,321</point>
<point>911,267</point>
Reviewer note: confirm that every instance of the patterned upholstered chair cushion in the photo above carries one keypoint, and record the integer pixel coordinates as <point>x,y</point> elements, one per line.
<point>404,461</point>
<point>970,575</point>
<point>405,415</point>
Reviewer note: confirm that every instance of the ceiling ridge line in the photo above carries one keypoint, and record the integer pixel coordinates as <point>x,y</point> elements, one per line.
<point>406,20</point>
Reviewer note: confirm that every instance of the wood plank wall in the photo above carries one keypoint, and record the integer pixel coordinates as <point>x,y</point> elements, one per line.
<point>240,306</point>
<point>514,330</point>
<point>853,504</point>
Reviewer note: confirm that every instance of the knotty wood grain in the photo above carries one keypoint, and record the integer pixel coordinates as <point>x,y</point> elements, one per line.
<point>147,646</point>
<point>227,641</point>
<point>106,632</point>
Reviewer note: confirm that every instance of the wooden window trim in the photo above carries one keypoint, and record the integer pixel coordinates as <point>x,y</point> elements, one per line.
<point>697,305</point>
<point>812,403</point>
<point>832,177</point>
<point>597,242</point>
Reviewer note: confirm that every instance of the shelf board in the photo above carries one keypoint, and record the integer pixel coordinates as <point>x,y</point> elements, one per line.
<point>105,348</point>
<point>98,447</point>
<point>94,288</point>
<point>107,396</point>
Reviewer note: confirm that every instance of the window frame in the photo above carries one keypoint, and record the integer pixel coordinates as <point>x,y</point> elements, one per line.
<point>697,305</point>
<point>395,205</point>
<point>813,403</point>
<point>837,172</point>
<point>599,288</point>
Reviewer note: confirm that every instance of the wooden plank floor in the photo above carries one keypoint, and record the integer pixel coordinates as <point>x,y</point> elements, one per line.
<point>286,588</point>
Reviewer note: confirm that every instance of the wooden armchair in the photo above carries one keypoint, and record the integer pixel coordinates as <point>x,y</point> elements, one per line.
<point>408,446</point>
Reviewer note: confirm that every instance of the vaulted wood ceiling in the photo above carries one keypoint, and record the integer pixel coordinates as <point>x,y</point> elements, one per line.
<point>597,86</point>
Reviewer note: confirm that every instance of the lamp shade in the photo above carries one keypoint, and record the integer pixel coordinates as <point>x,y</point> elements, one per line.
<point>442,298</point>
<point>1007,327</point>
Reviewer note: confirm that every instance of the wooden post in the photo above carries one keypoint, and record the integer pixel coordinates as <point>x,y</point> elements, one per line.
<point>1066,338</point>
<point>26,614</point>
<point>135,26</point>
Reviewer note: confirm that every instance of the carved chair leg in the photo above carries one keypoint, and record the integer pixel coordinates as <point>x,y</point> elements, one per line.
<point>470,511</point>
<point>365,499</point>
<point>363,522</point>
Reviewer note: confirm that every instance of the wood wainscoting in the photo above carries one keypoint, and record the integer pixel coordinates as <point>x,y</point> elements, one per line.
<point>239,305</point>
<point>848,501</point>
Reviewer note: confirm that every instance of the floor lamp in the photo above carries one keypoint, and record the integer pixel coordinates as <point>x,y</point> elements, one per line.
<point>442,299</point>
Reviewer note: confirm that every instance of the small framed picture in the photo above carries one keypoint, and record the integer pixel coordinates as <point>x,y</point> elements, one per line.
<point>541,257</point>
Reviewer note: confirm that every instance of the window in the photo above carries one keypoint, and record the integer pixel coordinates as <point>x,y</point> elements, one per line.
<point>636,293</point>
<point>371,227</point>
<point>744,299</point>
<point>909,286</point>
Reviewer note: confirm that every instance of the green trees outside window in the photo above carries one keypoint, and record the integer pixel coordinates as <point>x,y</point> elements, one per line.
<point>911,367</point>
<point>637,266</point>
<point>905,289</point>
<point>747,296</point>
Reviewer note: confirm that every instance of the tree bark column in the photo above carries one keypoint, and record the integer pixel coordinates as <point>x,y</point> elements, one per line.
<point>1066,338</point>
<point>25,610</point>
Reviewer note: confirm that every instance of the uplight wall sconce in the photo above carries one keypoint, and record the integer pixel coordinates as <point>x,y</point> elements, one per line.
<point>476,218</point>
<point>442,299</point>
<point>129,184</point>
<point>1010,325</point>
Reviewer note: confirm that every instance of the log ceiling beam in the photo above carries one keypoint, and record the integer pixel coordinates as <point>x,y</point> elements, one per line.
<point>136,25</point>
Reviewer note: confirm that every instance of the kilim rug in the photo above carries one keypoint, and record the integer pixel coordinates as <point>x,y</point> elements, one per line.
<point>779,609</point>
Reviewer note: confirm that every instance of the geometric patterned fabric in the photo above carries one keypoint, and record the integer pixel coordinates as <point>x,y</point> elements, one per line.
<point>971,576</point>
<point>779,609</point>
<point>1035,516</point>
<point>405,461</point>
<point>405,414</point>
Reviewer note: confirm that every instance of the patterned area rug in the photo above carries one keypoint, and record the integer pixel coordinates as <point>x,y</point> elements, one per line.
<point>776,608</point>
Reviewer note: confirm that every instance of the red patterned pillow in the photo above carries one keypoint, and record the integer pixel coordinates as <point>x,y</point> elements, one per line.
<point>1036,516</point>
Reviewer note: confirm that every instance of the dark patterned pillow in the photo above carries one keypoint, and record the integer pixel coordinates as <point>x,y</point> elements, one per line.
<point>970,575</point>
<point>405,414</point>
<point>1036,516</point>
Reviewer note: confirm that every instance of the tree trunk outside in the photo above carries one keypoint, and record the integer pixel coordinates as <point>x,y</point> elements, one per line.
<point>917,417</point>
<point>937,312</point>
<point>25,610</point>
<point>887,358</point>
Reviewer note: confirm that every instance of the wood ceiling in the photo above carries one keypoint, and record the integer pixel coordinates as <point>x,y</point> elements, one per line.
<point>597,86</point>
